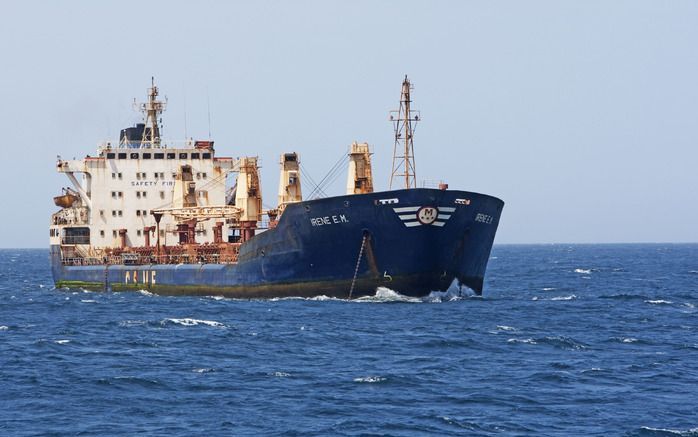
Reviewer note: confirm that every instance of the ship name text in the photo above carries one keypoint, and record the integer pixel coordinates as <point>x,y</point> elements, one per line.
<point>483,218</point>
<point>329,220</point>
<point>147,277</point>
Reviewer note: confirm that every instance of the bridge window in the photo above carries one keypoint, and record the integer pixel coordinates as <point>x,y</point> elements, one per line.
<point>159,156</point>
<point>194,156</point>
<point>134,155</point>
<point>122,156</point>
<point>171,156</point>
<point>101,233</point>
<point>146,156</point>
<point>206,156</point>
<point>76,236</point>
<point>182,156</point>
<point>111,155</point>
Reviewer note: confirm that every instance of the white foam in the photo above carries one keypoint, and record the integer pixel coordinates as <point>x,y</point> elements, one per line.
<point>280,374</point>
<point>88,301</point>
<point>583,271</point>
<point>659,302</point>
<point>450,295</point>
<point>384,294</point>
<point>322,297</point>
<point>505,328</point>
<point>687,432</point>
<point>145,293</point>
<point>132,323</point>
<point>203,370</point>
<point>629,340</point>
<point>525,340</point>
<point>194,322</point>
<point>4,328</point>
<point>62,341</point>
<point>369,379</point>
<point>570,297</point>
<point>549,288</point>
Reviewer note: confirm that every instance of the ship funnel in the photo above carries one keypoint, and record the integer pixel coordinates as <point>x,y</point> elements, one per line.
<point>289,179</point>
<point>360,176</point>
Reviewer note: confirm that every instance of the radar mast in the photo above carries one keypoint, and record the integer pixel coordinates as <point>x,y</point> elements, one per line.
<point>404,121</point>
<point>151,110</point>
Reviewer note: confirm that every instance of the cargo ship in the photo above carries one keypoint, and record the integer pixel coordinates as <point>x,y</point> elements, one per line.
<point>173,218</point>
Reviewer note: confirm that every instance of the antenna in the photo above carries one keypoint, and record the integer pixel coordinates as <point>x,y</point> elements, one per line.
<point>404,121</point>
<point>185,115</point>
<point>208,106</point>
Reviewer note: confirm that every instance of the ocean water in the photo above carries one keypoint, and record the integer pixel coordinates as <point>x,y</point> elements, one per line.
<point>567,340</point>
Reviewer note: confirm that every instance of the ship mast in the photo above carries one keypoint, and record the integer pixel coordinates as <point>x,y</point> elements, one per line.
<point>404,121</point>
<point>152,109</point>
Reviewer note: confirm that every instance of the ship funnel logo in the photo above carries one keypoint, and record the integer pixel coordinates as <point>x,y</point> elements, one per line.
<point>412,216</point>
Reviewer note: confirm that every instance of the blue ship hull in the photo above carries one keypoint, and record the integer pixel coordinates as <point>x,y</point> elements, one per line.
<point>414,241</point>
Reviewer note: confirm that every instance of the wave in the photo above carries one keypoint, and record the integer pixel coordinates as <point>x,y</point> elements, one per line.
<point>583,271</point>
<point>520,340</point>
<point>62,341</point>
<point>649,431</point>
<point>4,328</point>
<point>505,328</point>
<point>193,322</point>
<point>659,302</point>
<point>558,342</point>
<point>146,293</point>
<point>556,298</point>
<point>203,370</point>
<point>370,379</point>
<point>384,294</point>
<point>549,288</point>
<point>280,374</point>
<point>570,297</point>
<point>624,296</point>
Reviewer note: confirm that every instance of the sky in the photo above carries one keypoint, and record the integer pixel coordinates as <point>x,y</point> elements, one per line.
<point>581,115</point>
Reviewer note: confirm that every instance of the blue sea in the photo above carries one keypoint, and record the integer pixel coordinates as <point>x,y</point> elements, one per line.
<point>581,340</point>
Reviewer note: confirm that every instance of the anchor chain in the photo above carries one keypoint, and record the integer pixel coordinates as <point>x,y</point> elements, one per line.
<point>358,263</point>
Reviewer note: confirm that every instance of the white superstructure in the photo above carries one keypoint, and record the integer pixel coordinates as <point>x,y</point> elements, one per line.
<point>115,193</point>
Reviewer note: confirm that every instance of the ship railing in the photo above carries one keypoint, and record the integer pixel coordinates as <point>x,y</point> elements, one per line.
<point>152,259</point>
<point>164,144</point>
<point>71,216</point>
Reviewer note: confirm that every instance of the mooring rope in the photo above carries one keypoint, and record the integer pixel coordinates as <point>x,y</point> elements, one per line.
<point>358,262</point>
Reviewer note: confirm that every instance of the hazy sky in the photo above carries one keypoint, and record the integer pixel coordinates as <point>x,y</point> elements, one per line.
<point>581,115</point>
